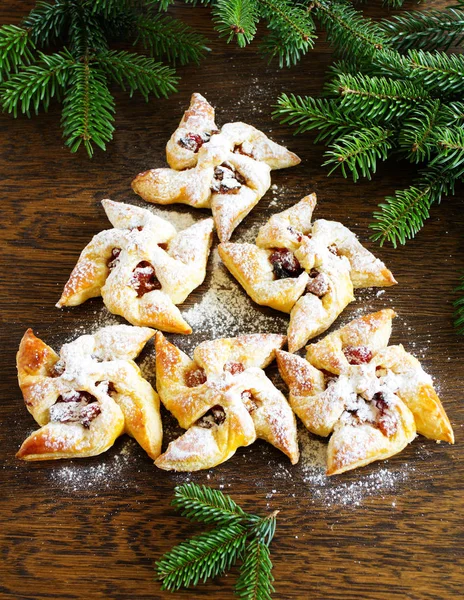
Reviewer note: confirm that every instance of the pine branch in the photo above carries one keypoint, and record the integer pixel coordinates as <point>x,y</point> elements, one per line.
<point>376,97</point>
<point>348,30</point>
<point>358,152</point>
<point>204,556</point>
<point>291,31</point>
<point>315,113</point>
<point>450,143</point>
<point>46,22</point>
<point>163,36</point>
<point>15,49</point>
<point>404,214</point>
<point>85,33</point>
<point>427,30</point>
<point>459,309</point>
<point>37,84</point>
<point>138,73</point>
<point>255,581</point>
<point>88,109</point>
<point>236,19</point>
<point>417,133</point>
<point>437,72</point>
<point>206,505</point>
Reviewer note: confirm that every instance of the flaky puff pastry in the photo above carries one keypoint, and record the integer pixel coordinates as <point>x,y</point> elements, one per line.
<point>142,268</point>
<point>306,269</point>
<point>223,399</point>
<point>370,396</point>
<point>88,395</point>
<point>227,170</point>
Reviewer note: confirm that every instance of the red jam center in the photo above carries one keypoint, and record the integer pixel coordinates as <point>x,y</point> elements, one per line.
<point>357,355</point>
<point>195,377</point>
<point>144,279</point>
<point>284,263</point>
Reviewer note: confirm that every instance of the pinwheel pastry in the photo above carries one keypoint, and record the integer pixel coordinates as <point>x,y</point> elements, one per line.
<point>223,399</point>
<point>89,395</point>
<point>370,396</point>
<point>306,269</point>
<point>227,170</point>
<point>142,268</point>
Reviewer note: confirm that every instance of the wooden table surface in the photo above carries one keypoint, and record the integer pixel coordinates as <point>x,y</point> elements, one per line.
<point>93,528</point>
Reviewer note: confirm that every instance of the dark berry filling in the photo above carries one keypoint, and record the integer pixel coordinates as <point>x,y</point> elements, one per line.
<point>215,416</point>
<point>318,283</point>
<point>227,180</point>
<point>144,279</point>
<point>75,407</point>
<point>357,355</point>
<point>251,402</point>
<point>195,377</point>
<point>386,422</point>
<point>114,258</point>
<point>284,263</point>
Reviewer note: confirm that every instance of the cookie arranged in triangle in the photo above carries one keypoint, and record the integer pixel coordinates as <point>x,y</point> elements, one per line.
<point>142,268</point>
<point>223,399</point>
<point>370,397</point>
<point>308,269</point>
<point>88,395</point>
<point>227,169</point>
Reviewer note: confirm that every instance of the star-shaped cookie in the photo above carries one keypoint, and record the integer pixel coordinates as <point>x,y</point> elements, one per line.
<point>223,399</point>
<point>308,269</point>
<point>370,396</point>
<point>227,170</point>
<point>142,268</point>
<point>89,395</point>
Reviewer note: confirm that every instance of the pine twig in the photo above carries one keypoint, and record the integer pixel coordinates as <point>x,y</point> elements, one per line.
<point>427,30</point>
<point>138,73</point>
<point>204,556</point>
<point>236,19</point>
<point>315,113</point>
<point>358,152</point>
<point>206,505</point>
<point>255,580</point>
<point>238,535</point>
<point>88,110</point>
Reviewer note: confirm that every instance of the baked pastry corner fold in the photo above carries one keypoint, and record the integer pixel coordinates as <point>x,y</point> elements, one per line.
<point>223,399</point>
<point>370,397</point>
<point>142,267</point>
<point>88,395</point>
<point>227,169</point>
<point>308,269</point>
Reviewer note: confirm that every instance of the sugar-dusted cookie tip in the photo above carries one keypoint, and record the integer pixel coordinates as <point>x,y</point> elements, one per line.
<point>370,397</point>
<point>88,395</point>
<point>227,169</point>
<point>305,268</point>
<point>142,267</point>
<point>223,399</point>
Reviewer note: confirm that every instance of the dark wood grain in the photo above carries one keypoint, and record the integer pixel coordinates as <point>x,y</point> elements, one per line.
<point>93,528</point>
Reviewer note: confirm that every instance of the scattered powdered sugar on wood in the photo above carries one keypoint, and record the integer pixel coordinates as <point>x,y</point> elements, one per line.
<point>99,473</point>
<point>225,310</point>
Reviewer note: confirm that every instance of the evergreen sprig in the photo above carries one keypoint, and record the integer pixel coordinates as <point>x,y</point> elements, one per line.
<point>399,97</point>
<point>79,72</point>
<point>237,536</point>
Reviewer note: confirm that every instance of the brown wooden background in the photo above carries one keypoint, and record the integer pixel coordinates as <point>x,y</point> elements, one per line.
<point>93,528</point>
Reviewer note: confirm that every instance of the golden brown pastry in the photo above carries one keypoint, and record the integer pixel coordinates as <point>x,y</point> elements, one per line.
<point>223,399</point>
<point>142,268</point>
<point>227,170</point>
<point>370,396</point>
<point>306,269</point>
<point>89,395</point>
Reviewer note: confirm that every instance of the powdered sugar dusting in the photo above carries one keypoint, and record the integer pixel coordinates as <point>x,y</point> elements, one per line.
<point>225,310</point>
